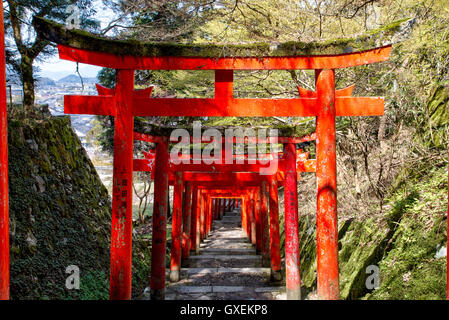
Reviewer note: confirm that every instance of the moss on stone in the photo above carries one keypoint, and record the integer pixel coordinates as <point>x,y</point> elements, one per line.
<point>402,243</point>
<point>384,36</point>
<point>59,210</point>
<point>438,105</point>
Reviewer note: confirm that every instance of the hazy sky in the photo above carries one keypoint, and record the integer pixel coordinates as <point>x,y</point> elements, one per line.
<point>56,69</point>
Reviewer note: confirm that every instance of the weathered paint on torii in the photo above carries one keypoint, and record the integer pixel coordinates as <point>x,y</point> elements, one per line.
<point>325,105</point>
<point>126,103</point>
<point>254,224</point>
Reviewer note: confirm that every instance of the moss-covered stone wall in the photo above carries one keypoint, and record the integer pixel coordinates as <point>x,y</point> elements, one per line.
<point>407,243</point>
<point>59,212</point>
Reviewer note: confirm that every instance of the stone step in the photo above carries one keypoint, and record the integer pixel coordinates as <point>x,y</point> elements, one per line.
<point>223,239</point>
<point>222,289</point>
<point>223,251</point>
<point>225,257</point>
<point>237,232</point>
<point>227,268</point>
<point>225,293</point>
<point>221,223</point>
<point>228,245</point>
<point>198,263</point>
<point>231,218</point>
<point>246,270</point>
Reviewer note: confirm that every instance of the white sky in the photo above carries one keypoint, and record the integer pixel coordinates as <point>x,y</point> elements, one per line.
<point>55,69</point>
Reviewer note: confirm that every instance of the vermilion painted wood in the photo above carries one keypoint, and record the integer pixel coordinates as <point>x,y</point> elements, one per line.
<point>213,205</point>
<point>265,225</point>
<point>193,229</point>
<point>275,247</point>
<point>175,258</point>
<point>252,215</point>
<point>210,214</point>
<point>199,107</point>
<point>303,165</point>
<point>204,208</point>
<point>293,282</point>
<point>223,177</point>
<point>200,216</point>
<point>225,105</point>
<point>247,222</point>
<point>206,215</point>
<point>186,222</point>
<point>346,92</point>
<point>197,222</point>
<point>121,226</point>
<point>225,189</point>
<point>150,155</point>
<point>233,139</point>
<point>141,93</point>
<point>237,139</point>
<point>4,205</point>
<point>97,105</point>
<point>326,177</point>
<point>245,208</point>
<point>224,86</point>
<point>258,222</point>
<point>110,60</point>
<point>159,238</point>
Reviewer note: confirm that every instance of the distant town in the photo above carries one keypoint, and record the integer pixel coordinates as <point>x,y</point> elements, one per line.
<point>51,92</point>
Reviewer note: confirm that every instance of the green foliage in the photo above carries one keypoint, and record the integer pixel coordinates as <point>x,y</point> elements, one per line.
<point>141,264</point>
<point>94,285</point>
<point>106,77</point>
<point>421,232</point>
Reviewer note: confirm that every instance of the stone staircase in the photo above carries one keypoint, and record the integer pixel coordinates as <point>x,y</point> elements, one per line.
<point>227,268</point>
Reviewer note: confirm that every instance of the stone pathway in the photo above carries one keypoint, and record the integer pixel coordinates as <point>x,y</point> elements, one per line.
<point>226,268</point>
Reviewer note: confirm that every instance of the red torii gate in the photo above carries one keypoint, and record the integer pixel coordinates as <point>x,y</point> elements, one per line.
<point>256,229</point>
<point>125,103</point>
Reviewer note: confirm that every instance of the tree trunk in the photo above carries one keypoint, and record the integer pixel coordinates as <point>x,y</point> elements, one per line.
<point>28,83</point>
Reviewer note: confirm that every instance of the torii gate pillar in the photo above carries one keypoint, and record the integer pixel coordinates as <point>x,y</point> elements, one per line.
<point>275,248</point>
<point>176,241</point>
<point>160,206</point>
<point>186,222</point>
<point>121,226</point>
<point>326,177</point>
<point>293,281</point>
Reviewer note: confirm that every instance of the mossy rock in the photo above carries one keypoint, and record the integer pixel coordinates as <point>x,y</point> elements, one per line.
<point>438,105</point>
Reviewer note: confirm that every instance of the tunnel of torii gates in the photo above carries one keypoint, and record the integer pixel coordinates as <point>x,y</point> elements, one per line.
<point>198,199</point>
<point>124,102</point>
